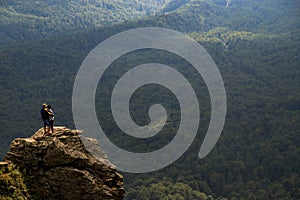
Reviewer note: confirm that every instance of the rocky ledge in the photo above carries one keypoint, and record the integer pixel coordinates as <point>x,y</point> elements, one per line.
<point>58,166</point>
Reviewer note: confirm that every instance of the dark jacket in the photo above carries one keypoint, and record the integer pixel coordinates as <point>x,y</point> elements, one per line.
<point>44,114</point>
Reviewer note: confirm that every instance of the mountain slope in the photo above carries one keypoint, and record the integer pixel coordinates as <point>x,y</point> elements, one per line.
<point>31,20</point>
<point>257,156</point>
<point>254,16</point>
<point>36,19</point>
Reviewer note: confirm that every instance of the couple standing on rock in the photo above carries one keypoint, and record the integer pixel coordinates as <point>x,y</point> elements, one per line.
<point>47,115</point>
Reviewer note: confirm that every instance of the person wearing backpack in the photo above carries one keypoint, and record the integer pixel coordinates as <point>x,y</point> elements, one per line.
<point>51,118</point>
<point>45,117</point>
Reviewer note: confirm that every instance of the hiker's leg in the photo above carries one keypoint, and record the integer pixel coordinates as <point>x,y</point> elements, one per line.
<point>51,125</point>
<point>45,126</point>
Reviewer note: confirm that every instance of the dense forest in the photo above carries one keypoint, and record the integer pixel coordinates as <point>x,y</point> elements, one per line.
<point>31,20</point>
<point>255,45</point>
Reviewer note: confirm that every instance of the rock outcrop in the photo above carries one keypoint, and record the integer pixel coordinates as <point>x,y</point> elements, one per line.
<point>58,166</point>
<point>12,183</point>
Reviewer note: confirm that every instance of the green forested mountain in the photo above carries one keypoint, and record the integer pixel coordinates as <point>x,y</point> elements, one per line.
<point>254,43</point>
<point>254,16</point>
<point>37,19</point>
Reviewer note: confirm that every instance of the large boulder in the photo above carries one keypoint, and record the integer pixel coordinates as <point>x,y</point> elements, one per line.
<point>58,166</point>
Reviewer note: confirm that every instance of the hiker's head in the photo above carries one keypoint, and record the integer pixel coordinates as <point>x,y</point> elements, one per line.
<point>44,105</point>
<point>49,106</point>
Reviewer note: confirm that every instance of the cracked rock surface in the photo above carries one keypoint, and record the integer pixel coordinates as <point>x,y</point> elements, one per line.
<point>58,166</point>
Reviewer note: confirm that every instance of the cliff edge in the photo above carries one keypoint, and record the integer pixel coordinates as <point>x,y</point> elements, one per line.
<point>58,166</point>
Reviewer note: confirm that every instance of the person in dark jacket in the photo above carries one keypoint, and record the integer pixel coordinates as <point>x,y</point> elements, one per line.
<point>51,118</point>
<point>45,117</point>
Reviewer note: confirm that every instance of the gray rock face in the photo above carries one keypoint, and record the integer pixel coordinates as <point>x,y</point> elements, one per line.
<point>58,166</point>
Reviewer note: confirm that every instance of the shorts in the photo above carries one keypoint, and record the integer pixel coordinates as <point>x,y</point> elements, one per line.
<point>46,122</point>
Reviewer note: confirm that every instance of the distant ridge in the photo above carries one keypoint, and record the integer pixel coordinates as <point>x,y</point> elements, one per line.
<point>23,20</point>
